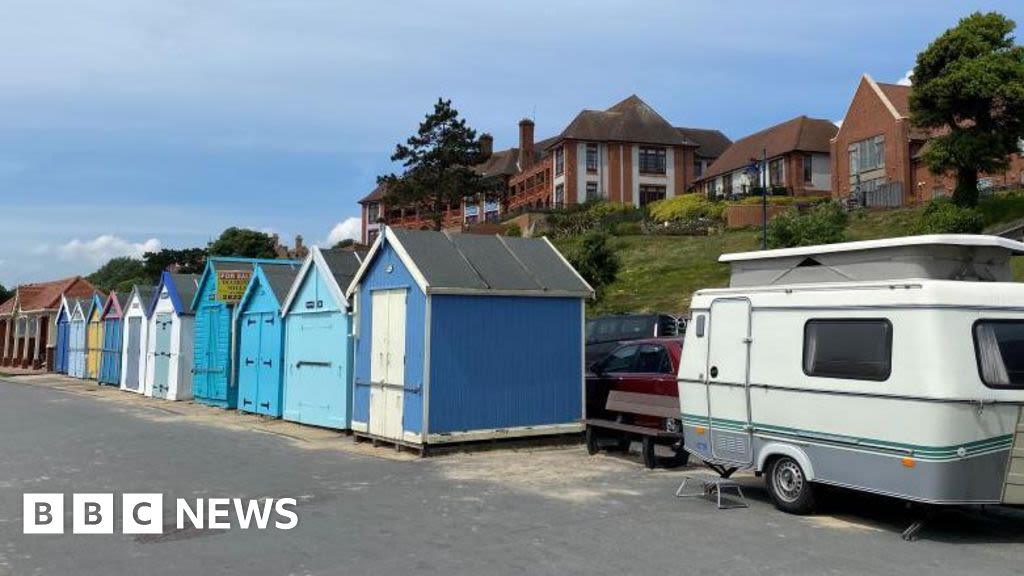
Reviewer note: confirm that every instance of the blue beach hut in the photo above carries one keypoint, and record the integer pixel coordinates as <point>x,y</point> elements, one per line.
<point>76,337</point>
<point>60,350</point>
<point>318,340</point>
<point>221,287</point>
<point>260,332</point>
<point>110,357</point>
<point>463,337</point>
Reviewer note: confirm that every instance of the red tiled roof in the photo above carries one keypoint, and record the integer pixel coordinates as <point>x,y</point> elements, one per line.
<point>46,295</point>
<point>801,134</point>
<point>631,120</point>
<point>898,96</point>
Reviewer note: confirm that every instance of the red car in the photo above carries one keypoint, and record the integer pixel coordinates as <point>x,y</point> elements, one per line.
<point>632,394</point>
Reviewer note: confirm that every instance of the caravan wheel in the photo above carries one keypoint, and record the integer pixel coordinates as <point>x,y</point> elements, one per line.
<point>789,487</point>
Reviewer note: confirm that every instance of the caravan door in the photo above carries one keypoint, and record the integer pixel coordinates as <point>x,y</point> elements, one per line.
<point>728,379</point>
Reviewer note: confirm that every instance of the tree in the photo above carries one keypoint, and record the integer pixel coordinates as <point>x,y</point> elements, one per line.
<point>968,87</point>
<point>346,243</point>
<point>187,261</point>
<point>5,294</point>
<point>438,164</point>
<point>594,259</point>
<point>244,243</point>
<point>119,274</point>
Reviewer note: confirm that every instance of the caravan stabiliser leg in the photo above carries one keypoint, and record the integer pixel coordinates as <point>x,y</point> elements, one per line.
<point>723,471</point>
<point>924,514</point>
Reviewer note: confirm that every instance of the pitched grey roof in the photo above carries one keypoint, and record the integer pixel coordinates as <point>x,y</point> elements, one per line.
<point>489,263</point>
<point>280,278</point>
<point>343,264</point>
<point>187,284</point>
<point>145,296</point>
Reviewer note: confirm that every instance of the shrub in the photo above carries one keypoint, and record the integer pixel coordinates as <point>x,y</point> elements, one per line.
<point>513,230</point>
<point>942,216</point>
<point>685,207</point>
<point>823,224</point>
<point>1002,207</point>
<point>772,200</point>
<point>591,216</point>
<point>594,259</point>
<point>627,229</point>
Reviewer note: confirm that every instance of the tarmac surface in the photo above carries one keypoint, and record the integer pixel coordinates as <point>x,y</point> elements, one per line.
<point>372,510</point>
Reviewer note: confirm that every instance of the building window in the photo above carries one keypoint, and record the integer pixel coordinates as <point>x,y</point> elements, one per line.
<point>492,211</point>
<point>999,348</point>
<point>727,185</point>
<point>808,168</point>
<point>559,161</point>
<point>775,172</point>
<point>371,235</point>
<point>373,212</point>
<point>698,168</point>
<point>559,196</point>
<point>592,193</point>
<point>853,349</point>
<point>652,160</point>
<point>649,193</point>
<point>592,157</point>
<point>867,155</point>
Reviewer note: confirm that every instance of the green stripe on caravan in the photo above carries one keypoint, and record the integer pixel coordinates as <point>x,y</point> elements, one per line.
<point>973,448</point>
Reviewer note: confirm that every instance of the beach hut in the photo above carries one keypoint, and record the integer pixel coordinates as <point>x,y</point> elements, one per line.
<point>93,336</point>
<point>60,349</point>
<point>260,330</point>
<point>76,337</point>
<point>171,333</point>
<point>135,338</point>
<point>462,337</point>
<point>318,344</point>
<point>221,287</point>
<point>110,358</point>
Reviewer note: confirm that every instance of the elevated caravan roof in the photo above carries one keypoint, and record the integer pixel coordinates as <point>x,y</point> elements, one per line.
<point>965,257</point>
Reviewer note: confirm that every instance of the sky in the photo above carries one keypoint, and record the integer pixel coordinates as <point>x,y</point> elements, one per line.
<point>127,126</point>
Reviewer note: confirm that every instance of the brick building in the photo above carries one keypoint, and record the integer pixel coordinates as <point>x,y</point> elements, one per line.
<point>876,154</point>
<point>627,153</point>
<point>28,329</point>
<point>797,154</point>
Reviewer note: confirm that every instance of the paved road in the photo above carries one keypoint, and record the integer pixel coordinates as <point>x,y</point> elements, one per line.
<point>525,512</point>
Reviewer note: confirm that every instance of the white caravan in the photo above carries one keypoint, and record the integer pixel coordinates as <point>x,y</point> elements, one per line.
<point>892,366</point>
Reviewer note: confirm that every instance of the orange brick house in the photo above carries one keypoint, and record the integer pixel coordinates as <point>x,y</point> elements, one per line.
<point>877,153</point>
<point>627,153</point>
<point>797,161</point>
<point>28,321</point>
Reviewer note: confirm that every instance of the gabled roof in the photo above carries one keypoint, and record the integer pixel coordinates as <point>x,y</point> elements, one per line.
<point>801,134</point>
<point>46,295</point>
<point>95,303</point>
<point>631,120</point>
<point>114,306</point>
<point>77,306</point>
<point>338,268</point>
<point>710,143</point>
<point>145,295</point>
<point>280,279</point>
<point>444,263</point>
<point>181,289</point>
<point>218,263</point>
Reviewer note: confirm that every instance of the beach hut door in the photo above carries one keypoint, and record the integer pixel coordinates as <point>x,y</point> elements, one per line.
<point>131,377</point>
<point>728,380</point>
<point>387,363</point>
<point>162,356</point>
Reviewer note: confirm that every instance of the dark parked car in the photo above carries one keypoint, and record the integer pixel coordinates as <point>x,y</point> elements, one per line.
<point>606,332</point>
<point>632,394</point>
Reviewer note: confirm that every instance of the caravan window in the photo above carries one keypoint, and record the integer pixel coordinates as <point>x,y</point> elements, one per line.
<point>856,349</point>
<point>999,348</point>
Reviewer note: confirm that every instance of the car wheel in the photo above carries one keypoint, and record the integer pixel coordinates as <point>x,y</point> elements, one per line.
<point>647,451</point>
<point>592,441</point>
<point>789,487</point>
<point>681,458</point>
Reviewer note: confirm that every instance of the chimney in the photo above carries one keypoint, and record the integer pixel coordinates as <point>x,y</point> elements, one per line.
<point>298,243</point>
<point>486,145</point>
<point>526,153</point>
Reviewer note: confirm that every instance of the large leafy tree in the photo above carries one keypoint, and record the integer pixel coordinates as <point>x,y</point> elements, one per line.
<point>968,86</point>
<point>437,163</point>
<point>119,274</point>
<point>593,257</point>
<point>5,294</point>
<point>244,243</point>
<point>187,261</point>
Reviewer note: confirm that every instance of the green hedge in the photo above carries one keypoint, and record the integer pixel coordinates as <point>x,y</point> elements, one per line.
<point>685,207</point>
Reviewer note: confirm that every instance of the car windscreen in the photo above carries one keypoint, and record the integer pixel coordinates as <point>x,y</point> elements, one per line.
<point>999,348</point>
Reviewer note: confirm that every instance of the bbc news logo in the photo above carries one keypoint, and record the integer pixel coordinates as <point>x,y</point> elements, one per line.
<point>144,513</point>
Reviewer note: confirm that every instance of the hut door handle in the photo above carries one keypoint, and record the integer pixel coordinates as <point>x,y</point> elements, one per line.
<point>265,405</point>
<point>249,361</point>
<point>268,362</point>
<point>246,402</point>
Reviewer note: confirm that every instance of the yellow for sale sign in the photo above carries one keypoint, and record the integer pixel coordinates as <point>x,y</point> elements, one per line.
<point>231,285</point>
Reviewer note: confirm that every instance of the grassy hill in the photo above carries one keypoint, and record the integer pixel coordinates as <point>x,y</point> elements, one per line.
<point>660,273</point>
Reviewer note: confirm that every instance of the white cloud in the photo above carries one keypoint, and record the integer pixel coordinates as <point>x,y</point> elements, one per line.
<point>102,248</point>
<point>905,81</point>
<point>349,228</point>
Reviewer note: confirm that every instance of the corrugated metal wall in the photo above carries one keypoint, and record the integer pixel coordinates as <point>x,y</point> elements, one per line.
<point>378,278</point>
<point>504,361</point>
